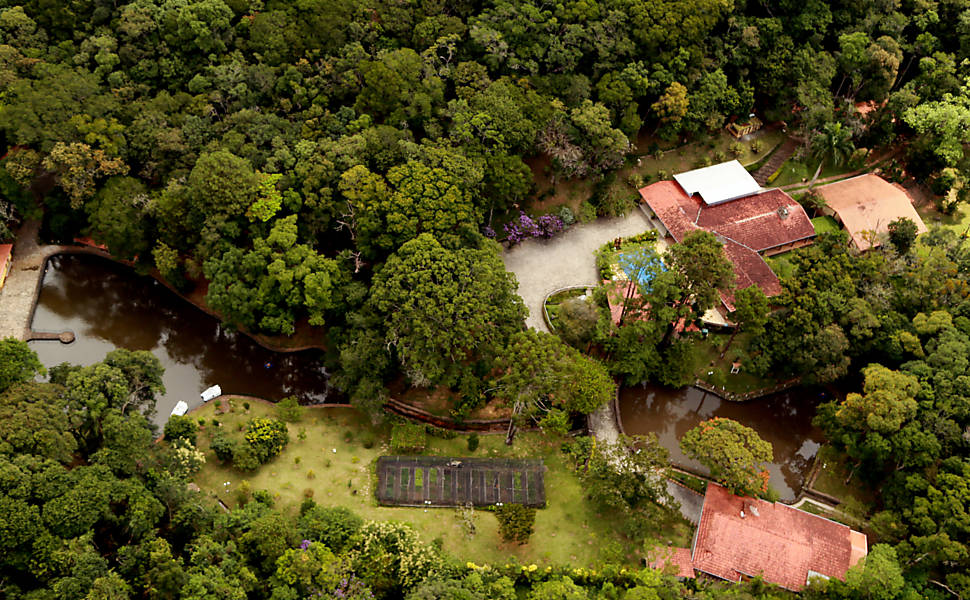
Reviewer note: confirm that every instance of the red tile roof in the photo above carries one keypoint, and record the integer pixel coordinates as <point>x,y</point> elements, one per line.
<point>776,541</point>
<point>747,226</point>
<point>679,558</point>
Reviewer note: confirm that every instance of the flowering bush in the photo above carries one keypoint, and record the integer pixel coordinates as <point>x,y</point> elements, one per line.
<point>525,227</point>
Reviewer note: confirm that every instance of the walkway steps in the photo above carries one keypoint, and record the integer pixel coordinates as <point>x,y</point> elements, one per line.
<point>777,159</point>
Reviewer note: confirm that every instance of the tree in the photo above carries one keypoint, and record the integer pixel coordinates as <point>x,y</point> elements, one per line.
<point>751,308</point>
<point>704,268</point>
<point>288,409</point>
<point>180,427</point>
<point>18,363</point>
<point>877,576</point>
<point>733,452</point>
<point>267,437</point>
<point>558,589</point>
<point>34,420</point>
<point>515,522</point>
<point>833,143</point>
<point>117,216</point>
<point>539,368</point>
<point>77,166</point>
<point>425,290</point>
<point>308,570</point>
<point>391,557</point>
<point>672,105</point>
<point>902,234</point>
<point>334,526</point>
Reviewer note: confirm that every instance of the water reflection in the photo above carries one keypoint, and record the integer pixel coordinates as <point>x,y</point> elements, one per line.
<point>108,306</point>
<point>783,419</point>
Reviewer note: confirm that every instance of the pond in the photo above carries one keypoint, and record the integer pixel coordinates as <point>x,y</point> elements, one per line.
<point>783,419</point>
<point>109,306</point>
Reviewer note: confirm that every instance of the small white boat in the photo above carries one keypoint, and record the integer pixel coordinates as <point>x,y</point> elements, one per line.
<point>180,408</point>
<point>213,392</point>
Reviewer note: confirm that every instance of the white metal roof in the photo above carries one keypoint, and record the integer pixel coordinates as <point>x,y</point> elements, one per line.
<point>718,183</point>
<point>180,408</point>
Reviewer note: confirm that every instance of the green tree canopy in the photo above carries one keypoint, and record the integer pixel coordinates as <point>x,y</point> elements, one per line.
<point>735,454</point>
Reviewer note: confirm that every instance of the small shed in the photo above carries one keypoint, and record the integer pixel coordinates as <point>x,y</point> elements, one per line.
<point>213,392</point>
<point>180,408</point>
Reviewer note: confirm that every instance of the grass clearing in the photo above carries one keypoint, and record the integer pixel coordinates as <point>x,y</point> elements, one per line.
<point>832,476</point>
<point>337,472</point>
<point>825,224</point>
<point>716,370</point>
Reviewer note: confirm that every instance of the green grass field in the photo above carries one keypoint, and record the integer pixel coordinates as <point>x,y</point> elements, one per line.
<point>825,224</point>
<point>332,464</point>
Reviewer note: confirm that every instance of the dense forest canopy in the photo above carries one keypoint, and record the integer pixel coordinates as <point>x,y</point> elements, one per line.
<point>340,166</point>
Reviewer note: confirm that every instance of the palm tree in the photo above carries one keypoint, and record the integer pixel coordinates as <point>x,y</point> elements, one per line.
<point>833,142</point>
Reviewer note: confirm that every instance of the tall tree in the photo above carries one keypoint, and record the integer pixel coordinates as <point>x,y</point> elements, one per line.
<point>735,454</point>
<point>445,309</point>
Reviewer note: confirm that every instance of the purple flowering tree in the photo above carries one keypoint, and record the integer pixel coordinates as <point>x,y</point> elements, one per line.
<point>525,227</point>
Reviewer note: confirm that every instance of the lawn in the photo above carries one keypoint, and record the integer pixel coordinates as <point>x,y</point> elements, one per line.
<point>781,265</point>
<point>710,367</point>
<point>825,224</point>
<point>801,171</point>
<point>832,475</point>
<point>332,464</point>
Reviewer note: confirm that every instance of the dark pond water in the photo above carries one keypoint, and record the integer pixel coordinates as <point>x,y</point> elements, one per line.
<point>784,419</point>
<point>109,306</point>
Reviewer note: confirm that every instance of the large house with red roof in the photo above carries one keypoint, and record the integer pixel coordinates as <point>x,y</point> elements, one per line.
<point>751,222</point>
<point>739,538</point>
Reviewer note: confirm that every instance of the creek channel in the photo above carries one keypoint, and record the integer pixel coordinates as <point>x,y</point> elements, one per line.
<point>109,306</point>
<point>783,419</point>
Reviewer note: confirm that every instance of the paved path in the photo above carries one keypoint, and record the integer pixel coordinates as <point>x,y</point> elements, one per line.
<point>23,282</point>
<point>691,502</point>
<point>544,266</point>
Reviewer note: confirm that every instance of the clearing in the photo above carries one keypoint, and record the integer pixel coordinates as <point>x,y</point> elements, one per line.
<point>331,462</point>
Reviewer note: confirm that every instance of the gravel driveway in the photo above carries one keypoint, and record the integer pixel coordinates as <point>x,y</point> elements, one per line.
<point>544,266</point>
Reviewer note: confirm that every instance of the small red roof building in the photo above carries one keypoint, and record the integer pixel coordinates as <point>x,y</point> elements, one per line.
<point>767,222</point>
<point>740,537</point>
<point>5,254</point>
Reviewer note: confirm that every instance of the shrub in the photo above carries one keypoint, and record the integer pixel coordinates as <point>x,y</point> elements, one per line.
<point>566,215</point>
<point>244,458</point>
<point>288,409</point>
<point>215,422</point>
<point>310,474</point>
<point>440,432</point>
<point>246,405</point>
<point>736,149</point>
<point>180,428</point>
<point>308,493</point>
<point>368,440</point>
<point>348,436</point>
<point>243,493</point>
<point>587,212</point>
<point>223,446</point>
<point>473,442</point>
<point>307,504</point>
<point>515,522</point>
<point>757,146</point>
<point>719,156</point>
<point>296,460</point>
<point>556,420</point>
<point>267,437</point>
<point>578,318</point>
<point>408,437</point>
